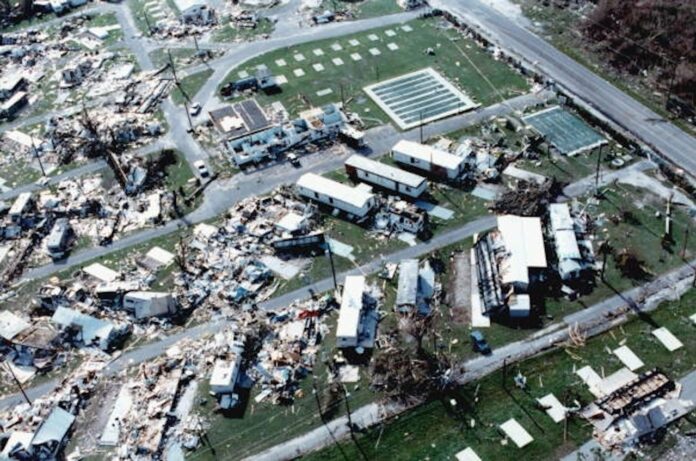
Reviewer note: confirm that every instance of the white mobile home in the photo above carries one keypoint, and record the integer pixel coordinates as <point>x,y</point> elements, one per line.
<point>358,201</point>
<point>20,207</point>
<point>146,304</point>
<point>224,375</point>
<point>427,158</point>
<point>571,263</point>
<point>386,176</point>
<point>407,291</point>
<point>348,326</point>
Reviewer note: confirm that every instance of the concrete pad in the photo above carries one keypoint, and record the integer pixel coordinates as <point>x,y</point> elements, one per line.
<point>281,63</point>
<point>589,376</point>
<point>324,92</point>
<point>298,72</point>
<point>693,318</point>
<point>555,409</point>
<point>392,46</point>
<point>372,37</point>
<point>299,57</point>
<point>341,249</point>
<point>486,192</point>
<point>406,28</point>
<point>318,52</point>
<point>284,269</point>
<point>337,61</point>
<point>375,52</point>
<point>519,173</point>
<point>243,74</point>
<point>336,47</point>
<point>122,405</point>
<point>349,374</point>
<point>408,238</point>
<point>516,433</point>
<point>355,57</point>
<point>318,67</point>
<point>353,42</point>
<point>389,33</point>
<point>478,318</point>
<point>615,381</point>
<point>262,67</point>
<point>281,79</point>
<point>628,358</point>
<point>435,211</point>
<point>467,454</point>
<point>667,339</point>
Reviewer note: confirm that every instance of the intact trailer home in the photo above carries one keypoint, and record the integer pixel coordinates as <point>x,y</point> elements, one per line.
<point>358,201</point>
<point>387,177</point>
<point>437,162</point>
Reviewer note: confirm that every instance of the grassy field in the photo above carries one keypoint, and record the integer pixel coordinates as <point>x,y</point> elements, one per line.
<point>180,56</point>
<point>230,33</point>
<point>189,86</point>
<point>438,430</point>
<point>559,28</point>
<point>459,59</point>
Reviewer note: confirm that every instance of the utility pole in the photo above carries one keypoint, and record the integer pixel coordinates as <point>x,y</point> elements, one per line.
<point>19,385</point>
<point>333,268</point>
<point>343,99</point>
<point>599,161</point>
<point>323,418</point>
<point>171,63</point>
<point>350,423</point>
<point>149,27</point>
<point>188,114</point>
<point>38,157</point>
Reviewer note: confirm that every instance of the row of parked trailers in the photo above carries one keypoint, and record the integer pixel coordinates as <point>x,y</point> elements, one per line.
<point>359,201</point>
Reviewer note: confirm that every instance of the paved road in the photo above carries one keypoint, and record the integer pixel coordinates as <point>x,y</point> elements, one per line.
<point>592,321</point>
<point>220,196</point>
<point>664,137</point>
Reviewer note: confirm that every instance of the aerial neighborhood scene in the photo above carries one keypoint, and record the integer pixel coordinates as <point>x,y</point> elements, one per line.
<point>348,230</point>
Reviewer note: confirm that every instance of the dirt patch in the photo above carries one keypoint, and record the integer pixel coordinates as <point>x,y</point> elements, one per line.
<point>459,289</point>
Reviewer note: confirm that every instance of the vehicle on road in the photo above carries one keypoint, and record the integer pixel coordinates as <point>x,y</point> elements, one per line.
<point>195,109</point>
<point>479,343</point>
<point>293,159</point>
<point>201,168</point>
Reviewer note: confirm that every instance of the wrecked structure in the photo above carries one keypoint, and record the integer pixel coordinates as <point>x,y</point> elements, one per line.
<point>435,162</point>
<point>509,262</point>
<point>573,248</point>
<point>416,287</point>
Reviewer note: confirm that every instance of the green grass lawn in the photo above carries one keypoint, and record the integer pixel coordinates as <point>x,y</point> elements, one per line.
<point>560,29</point>
<point>453,57</point>
<point>264,424</point>
<point>230,33</point>
<point>180,56</point>
<point>437,430</point>
<point>189,86</point>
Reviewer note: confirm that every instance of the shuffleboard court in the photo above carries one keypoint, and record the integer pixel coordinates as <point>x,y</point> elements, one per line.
<point>568,133</point>
<point>419,97</point>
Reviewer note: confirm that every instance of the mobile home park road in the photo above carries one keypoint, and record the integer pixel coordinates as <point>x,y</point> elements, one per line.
<point>665,138</point>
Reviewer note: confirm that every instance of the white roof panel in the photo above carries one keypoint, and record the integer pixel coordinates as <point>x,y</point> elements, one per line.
<point>467,454</point>
<point>428,154</point>
<point>11,325</point>
<point>355,196</point>
<point>101,272</point>
<point>54,428</point>
<point>525,243</point>
<point>554,408</point>
<point>385,171</point>
<point>351,305</point>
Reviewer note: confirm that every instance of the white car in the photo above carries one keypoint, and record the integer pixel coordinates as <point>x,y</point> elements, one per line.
<point>201,168</point>
<point>195,109</point>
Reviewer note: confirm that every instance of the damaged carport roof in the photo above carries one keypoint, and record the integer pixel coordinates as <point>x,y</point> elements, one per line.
<point>54,428</point>
<point>11,325</point>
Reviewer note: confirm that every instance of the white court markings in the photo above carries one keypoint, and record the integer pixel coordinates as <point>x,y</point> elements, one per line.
<point>299,57</point>
<point>298,72</point>
<point>281,63</point>
<point>318,52</point>
<point>243,74</point>
<point>375,52</point>
<point>318,67</point>
<point>372,37</point>
<point>337,61</point>
<point>353,42</point>
<point>355,57</point>
<point>392,46</point>
<point>324,92</point>
<point>336,47</point>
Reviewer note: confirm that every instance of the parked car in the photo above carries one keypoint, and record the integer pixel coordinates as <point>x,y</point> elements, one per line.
<point>201,168</point>
<point>195,109</point>
<point>293,159</point>
<point>479,343</point>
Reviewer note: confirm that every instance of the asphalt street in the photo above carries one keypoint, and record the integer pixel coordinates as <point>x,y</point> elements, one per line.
<point>665,138</point>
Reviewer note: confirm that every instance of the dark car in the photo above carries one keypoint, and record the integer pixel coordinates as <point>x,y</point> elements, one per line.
<point>479,344</point>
